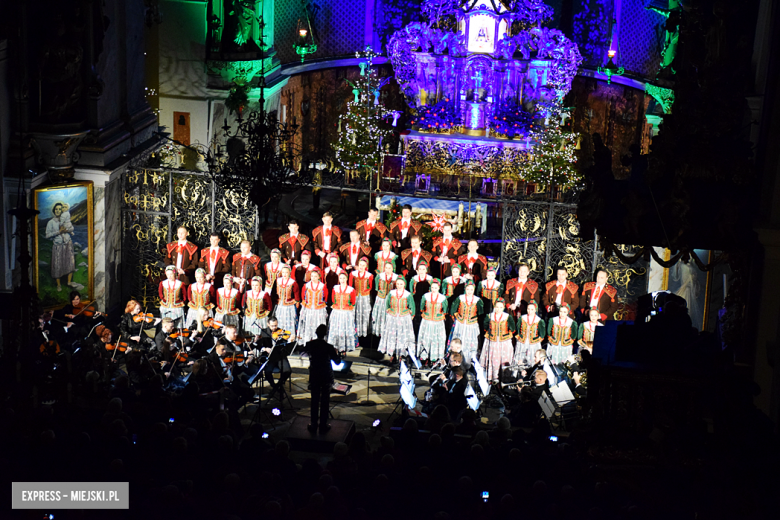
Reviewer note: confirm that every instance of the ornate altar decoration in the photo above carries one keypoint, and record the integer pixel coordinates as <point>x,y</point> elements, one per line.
<point>478,75</point>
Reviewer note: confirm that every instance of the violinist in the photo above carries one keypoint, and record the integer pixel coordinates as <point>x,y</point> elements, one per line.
<point>99,348</point>
<point>165,330</point>
<point>202,338</point>
<point>134,322</point>
<point>274,342</point>
<point>172,296</point>
<point>83,317</point>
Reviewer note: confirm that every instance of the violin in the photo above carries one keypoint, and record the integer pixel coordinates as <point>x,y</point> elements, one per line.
<point>180,356</point>
<point>119,345</point>
<point>234,358</point>
<point>182,333</point>
<point>86,310</point>
<point>280,334</point>
<point>142,317</point>
<point>212,323</point>
<point>50,347</point>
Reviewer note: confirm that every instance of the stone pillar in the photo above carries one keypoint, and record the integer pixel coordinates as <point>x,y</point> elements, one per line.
<point>107,203</point>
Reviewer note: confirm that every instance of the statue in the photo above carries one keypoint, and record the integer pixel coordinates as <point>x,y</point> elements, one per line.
<point>673,17</point>
<point>239,18</point>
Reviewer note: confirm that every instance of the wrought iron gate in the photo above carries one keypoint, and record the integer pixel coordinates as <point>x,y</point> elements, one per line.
<point>545,235</point>
<point>155,203</point>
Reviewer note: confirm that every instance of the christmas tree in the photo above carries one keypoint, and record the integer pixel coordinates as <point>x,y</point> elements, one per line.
<point>364,128</point>
<point>553,155</point>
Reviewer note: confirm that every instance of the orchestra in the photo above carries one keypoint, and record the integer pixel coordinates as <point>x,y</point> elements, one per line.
<point>373,291</point>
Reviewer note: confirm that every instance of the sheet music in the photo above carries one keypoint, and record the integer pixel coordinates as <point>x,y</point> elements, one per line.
<point>481,380</point>
<point>561,393</point>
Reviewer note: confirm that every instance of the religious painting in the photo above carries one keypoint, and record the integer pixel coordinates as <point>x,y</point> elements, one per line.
<point>686,281</point>
<point>63,243</point>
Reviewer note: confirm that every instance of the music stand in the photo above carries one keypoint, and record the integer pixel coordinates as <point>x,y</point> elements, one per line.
<point>471,398</point>
<point>285,394</point>
<point>406,390</point>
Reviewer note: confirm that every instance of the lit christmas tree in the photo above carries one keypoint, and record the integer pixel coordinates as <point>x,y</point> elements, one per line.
<point>363,129</point>
<point>553,155</point>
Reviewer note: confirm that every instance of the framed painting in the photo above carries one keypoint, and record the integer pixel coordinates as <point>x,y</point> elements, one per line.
<point>63,248</point>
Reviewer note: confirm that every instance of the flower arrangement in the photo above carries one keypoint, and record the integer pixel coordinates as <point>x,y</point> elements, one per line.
<point>238,98</point>
<point>509,119</point>
<point>442,117</point>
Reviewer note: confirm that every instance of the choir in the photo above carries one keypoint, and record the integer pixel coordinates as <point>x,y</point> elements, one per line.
<point>373,286</point>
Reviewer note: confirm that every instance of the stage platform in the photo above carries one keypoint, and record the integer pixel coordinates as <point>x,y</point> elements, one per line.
<point>300,438</point>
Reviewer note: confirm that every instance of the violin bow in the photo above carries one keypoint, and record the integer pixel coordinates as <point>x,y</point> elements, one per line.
<point>116,347</point>
<point>143,322</point>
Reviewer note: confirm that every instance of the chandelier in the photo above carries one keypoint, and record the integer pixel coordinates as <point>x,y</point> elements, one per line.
<point>259,158</point>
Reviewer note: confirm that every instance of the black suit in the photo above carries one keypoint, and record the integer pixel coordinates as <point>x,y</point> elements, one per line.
<point>456,397</point>
<point>321,353</point>
<point>277,359</point>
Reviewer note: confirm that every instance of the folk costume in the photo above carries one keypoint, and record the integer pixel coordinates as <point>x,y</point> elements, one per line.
<point>331,276</point>
<point>490,291</point>
<point>342,333</point>
<point>561,334</point>
<point>445,253</point>
<point>398,332</point>
<point>384,285</point>
<point>273,270</point>
<point>432,338</point>
<point>302,273</point>
<point>351,253</point>
<point>530,333</point>
<point>257,306</point>
<point>288,296</point>
<point>557,293</point>
<point>372,232</point>
<point>411,257</point>
<point>314,310</point>
<point>215,261</point>
<point>521,293</point>
<point>466,314</point>
<point>199,296</point>
<point>497,350</point>
<point>586,333</point>
<point>402,231</point>
<point>292,246</point>
<point>363,283</point>
<point>172,298</point>
<point>227,303</point>
<point>245,267</point>
<point>182,255</point>
<point>382,258</point>
<point>326,240</point>
<point>474,264</point>
<point>603,298</point>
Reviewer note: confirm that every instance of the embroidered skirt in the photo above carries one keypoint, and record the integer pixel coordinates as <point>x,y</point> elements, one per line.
<point>397,335</point>
<point>468,335</point>
<point>192,315</point>
<point>432,338</point>
<point>378,315</point>
<point>524,353</point>
<point>557,354</point>
<point>496,354</point>
<point>341,330</point>
<point>363,315</point>
<point>174,313</point>
<point>227,319</point>
<point>309,321</point>
<point>254,325</point>
<point>288,318</point>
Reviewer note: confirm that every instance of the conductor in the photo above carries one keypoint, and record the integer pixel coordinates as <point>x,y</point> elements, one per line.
<point>321,353</point>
